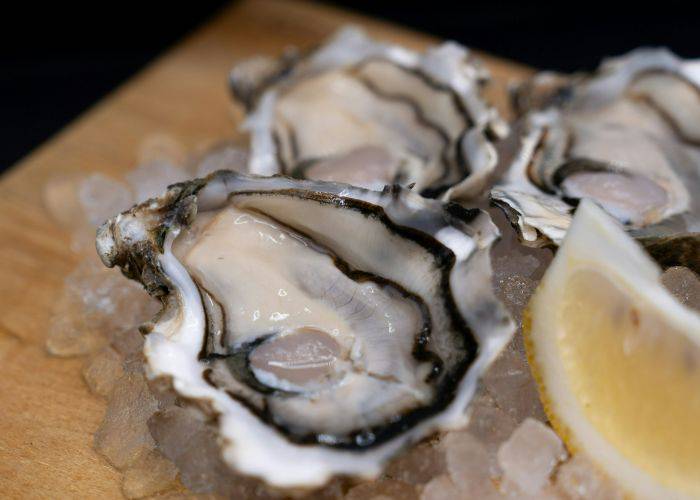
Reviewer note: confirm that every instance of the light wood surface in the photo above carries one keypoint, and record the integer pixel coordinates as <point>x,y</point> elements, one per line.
<point>47,415</point>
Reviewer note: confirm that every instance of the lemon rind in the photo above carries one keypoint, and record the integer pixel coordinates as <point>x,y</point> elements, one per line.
<point>633,271</point>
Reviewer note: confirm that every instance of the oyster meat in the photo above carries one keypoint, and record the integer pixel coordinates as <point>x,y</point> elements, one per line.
<point>371,114</point>
<point>626,137</point>
<point>327,326</point>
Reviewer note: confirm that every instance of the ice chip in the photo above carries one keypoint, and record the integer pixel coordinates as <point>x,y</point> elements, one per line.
<point>222,157</point>
<point>161,147</point>
<point>70,331</point>
<point>419,464</point>
<point>511,384</point>
<point>173,428</point>
<point>102,197</point>
<point>151,474</point>
<point>489,423</point>
<point>62,200</point>
<point>96,303</point>
<point>529,457</point>
<point>102,370</point>
<point>151,179</point>
<point>123,436</point>
<point>469,465</point>
<point>441,488</point>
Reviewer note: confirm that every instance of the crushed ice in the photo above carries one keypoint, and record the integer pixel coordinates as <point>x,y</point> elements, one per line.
<point>161,444</point>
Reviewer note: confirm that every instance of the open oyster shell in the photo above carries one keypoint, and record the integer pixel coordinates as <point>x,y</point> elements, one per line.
<point>371,114</point>
<point>627,137</point>
<point>326,325</point>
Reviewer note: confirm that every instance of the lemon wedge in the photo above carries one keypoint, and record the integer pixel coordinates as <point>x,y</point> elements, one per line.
<point>617,360</point>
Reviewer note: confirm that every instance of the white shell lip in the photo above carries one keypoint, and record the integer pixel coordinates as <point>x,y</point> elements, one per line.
<point>251,446</point>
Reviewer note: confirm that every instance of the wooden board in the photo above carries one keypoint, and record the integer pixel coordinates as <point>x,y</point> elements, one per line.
<point>47,415</point>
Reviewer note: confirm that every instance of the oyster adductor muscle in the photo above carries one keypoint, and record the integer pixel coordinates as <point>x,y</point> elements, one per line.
<point>626,136</point>
<point>371,114</point>
<point>327,325</point>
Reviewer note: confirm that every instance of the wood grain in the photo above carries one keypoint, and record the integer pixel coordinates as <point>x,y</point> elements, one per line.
<point>47,415</point>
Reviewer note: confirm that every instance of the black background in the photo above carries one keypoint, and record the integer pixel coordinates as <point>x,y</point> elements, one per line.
<point>58,59</point>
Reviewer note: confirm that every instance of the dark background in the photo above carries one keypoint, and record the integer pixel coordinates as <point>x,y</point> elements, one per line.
<point>57,60</point>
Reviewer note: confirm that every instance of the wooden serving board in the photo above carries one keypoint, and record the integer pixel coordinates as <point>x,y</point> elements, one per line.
<point>47,415</point>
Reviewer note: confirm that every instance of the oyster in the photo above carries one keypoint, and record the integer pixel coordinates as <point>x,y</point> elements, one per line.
<point>371,114</point>
<point>326,325</point>
<point>627,137</point>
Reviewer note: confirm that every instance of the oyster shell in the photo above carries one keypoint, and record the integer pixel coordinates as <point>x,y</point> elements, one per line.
<point>371,114</point>
<point>326,325</point>
<point>626,137</point>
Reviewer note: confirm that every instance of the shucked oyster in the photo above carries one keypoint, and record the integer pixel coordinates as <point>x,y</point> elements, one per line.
<point>371,114</point>
<point>627,137</point>
<point>328,326</point>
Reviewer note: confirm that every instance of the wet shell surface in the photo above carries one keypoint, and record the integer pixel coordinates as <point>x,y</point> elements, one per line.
<point>327,326</point>
<point>371,114</point>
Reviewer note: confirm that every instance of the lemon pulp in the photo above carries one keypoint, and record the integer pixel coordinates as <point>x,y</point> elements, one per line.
<point>637,379</point>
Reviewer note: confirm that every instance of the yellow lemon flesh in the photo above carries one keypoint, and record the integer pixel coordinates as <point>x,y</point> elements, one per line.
<point>618,360</point>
